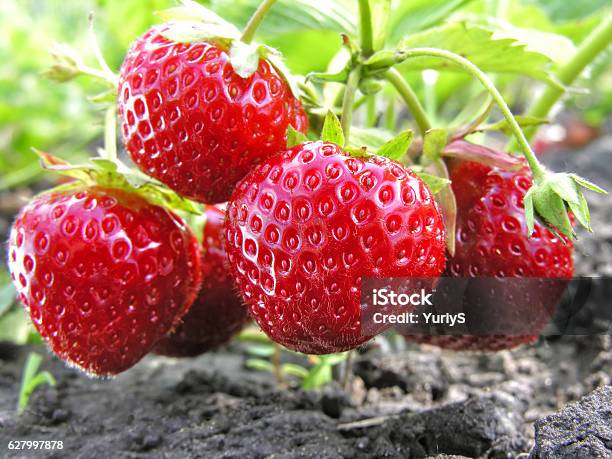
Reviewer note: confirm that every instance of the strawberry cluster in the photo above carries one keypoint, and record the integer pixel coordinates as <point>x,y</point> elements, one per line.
<point>109,274</point>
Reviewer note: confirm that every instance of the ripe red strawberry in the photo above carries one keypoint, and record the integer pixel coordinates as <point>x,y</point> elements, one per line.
<point>103,273</point>
<point>492,242</point>
<point>218,313</point>
<point>189,120</point>
<point>305,227</point>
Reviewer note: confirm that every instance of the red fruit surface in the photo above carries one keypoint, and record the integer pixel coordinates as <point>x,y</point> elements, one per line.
<point>305,227</point>
<point>492,242</point>
<point>189,120</point>
<point>218,313</point>
<point>103,273</point>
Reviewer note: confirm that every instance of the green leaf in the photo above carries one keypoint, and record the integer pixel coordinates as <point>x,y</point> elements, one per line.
<point>261,350</point>
<point>295,137</point>
<point>334,359</point>
<point>435,183</point>
<point>373,138</point>
<point>434,142</point>
<point>332,129</point>
<point>259,365</point>
<point>412,16</point>
<point>15,326</point>
<point>294,370</point>
<point>252,334</point>
<point>31,379</point>
<point>318,376</point>
<point>482,47</point>
<point>7,297</point>
<point>289,16</point>
<point>397,147</point>
<point>380,12</point>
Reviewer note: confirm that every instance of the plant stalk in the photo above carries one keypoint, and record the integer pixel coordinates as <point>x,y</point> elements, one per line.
<point>589,49</point>
<point>536,168</point>
<point>256,19</point>
<point>409,97</point>
<point>365,28</point>
<point>348,100</point>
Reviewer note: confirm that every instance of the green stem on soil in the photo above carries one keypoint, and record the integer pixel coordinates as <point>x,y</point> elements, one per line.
<point>348,371</point>
<point>409,97</point>
<point>536,168</point>
<point>588,50</point>
<point>348,100</point>
<point>276,362</point>
<point>365,28</point>
<point>255,21</point>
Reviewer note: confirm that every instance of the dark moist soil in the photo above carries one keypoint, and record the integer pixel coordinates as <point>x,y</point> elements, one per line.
<point>549,400</point>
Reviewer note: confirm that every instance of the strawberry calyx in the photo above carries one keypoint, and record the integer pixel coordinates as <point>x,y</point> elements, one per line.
<point>115,174</point>
<point>192,22</point>
<point>554,195</point>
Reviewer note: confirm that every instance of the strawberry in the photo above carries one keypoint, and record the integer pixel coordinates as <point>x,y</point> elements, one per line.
<point>492,242</point>
<point>218,313</point>
<point>307,225</point>
<point>189,120</point>
<point>103,273</point>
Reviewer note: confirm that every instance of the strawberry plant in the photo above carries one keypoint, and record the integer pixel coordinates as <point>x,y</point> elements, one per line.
<point>328,181</point>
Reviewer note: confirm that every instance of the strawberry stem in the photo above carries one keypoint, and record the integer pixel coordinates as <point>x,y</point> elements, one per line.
<point>410,98</point>
<point>347,101</point>
<point>255,21</point>
<point>365,28</point>
<point>536,168</point>
<point>106,71</point>
<point>589,49</point>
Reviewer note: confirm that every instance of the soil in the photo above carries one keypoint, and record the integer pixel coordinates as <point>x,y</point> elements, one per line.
<point>548,400</point>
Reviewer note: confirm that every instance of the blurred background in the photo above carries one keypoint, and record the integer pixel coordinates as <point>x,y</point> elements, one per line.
<point>59,118</point>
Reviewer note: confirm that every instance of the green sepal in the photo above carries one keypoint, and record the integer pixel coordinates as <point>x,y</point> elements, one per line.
<point>550,198</point>
<point>115,174</point>
<point>295,137</point>
<point>208,24</point>
<point>332,129</point>
<point>192,32</point>
<point>587,184</point>
<point>434,182</point>
<point>397,147</point>
<point>358,152</point>
<point>434,142</point>
<point>245,57</point>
